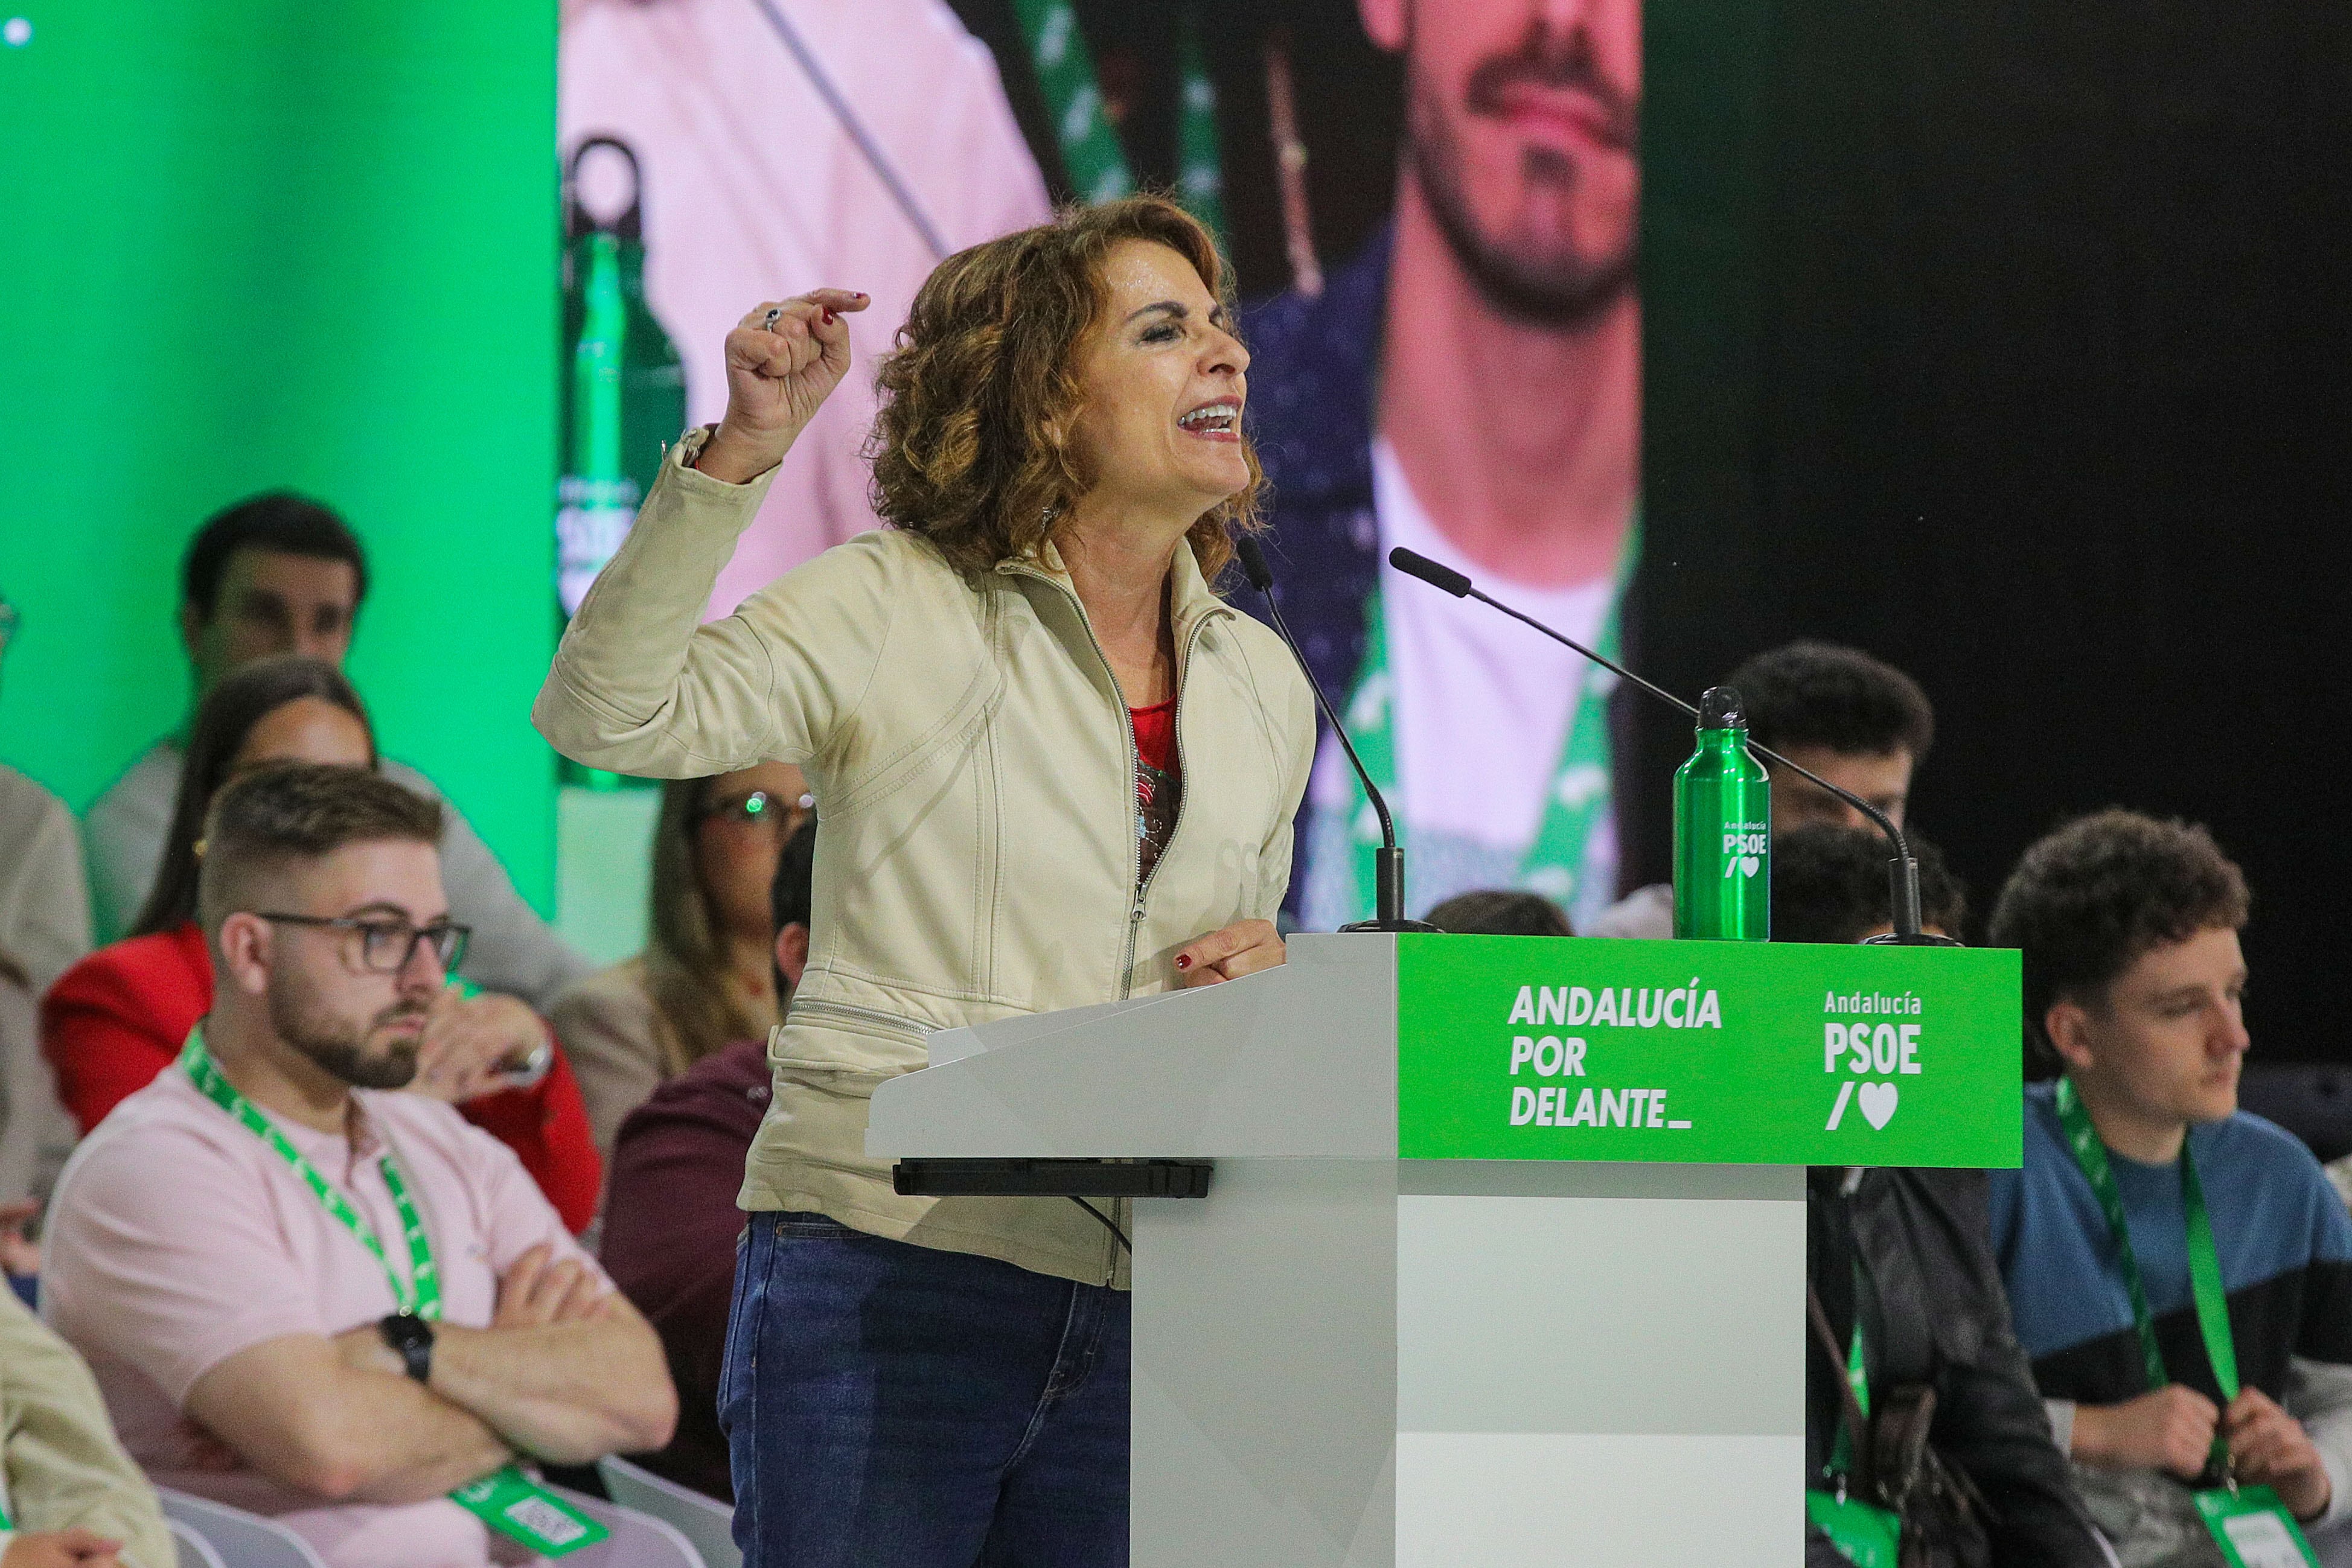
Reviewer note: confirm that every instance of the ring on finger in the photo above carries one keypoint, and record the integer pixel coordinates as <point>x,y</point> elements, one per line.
<point>774,312</point>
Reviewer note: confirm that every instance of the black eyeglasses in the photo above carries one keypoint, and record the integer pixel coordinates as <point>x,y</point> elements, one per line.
<point>386,946</point>
<point>758,807</point>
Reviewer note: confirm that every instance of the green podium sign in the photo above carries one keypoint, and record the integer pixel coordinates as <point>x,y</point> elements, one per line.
<point>1516,1048</point>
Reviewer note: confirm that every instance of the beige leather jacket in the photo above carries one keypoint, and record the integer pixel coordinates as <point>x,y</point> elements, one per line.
<point>975,772</point>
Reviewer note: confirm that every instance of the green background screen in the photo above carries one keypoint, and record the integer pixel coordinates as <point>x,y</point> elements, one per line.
<point>262,242</point>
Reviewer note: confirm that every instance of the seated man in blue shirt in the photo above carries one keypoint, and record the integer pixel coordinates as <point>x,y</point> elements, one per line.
<point>2140,1175</point>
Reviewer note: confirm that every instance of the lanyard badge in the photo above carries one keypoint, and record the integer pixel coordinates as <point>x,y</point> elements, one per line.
<point>2250,1524</point>
<point>507,1501</point>
<point>1869,1536</point>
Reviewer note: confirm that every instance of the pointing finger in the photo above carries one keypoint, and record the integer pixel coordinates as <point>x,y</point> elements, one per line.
<point>1209,950</point>
<point>838,299</point>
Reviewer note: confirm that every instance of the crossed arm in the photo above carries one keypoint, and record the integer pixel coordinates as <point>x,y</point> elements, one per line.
<point>567,1372</point>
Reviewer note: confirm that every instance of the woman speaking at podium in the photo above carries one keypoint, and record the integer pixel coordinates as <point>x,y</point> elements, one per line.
<point>1053,768</point>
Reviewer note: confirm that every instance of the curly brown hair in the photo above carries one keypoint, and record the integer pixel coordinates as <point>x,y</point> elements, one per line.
<point>2087,901</point>
<point>970,448</point>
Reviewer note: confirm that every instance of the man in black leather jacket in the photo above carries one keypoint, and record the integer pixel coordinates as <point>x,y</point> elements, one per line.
<point>1914,1245</point>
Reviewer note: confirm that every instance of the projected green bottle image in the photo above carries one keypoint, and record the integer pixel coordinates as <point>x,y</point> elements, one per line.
<point>1723,831</point>
<point>624,395</point>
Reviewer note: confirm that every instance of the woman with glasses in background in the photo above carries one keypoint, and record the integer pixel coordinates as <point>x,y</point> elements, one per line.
<point>120,1016</point>
<point>706,976</point>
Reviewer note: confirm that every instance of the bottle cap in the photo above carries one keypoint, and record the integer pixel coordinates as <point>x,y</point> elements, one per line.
<point>1719,708</point>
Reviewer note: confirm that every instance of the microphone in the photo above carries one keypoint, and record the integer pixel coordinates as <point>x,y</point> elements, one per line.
<point>1388,861</point>
<point>1902,872</point>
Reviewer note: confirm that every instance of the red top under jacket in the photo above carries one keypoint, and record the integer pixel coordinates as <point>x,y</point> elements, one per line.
<point>120,1016</point>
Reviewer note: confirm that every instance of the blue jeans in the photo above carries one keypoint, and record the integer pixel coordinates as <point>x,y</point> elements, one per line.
<point>889,1405</point>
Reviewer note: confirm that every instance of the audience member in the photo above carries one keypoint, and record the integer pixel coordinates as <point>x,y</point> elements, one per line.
<point>1829,884</point>
<point>703,979</point>
<point>2143,1182</point>
<point>36,1134</point>
<point>44,927</point>
<point>304,1295</point>
<point>120,1015</point>
<point>1501,912</point>
<point>280,574</point>
<point>1899,1263</point>
<point>32,1147</point>
<point>1861,724</point>
<point>671,1221</point>
<point>68,1491</point>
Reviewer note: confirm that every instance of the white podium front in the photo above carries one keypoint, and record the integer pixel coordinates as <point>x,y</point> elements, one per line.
<point>1344,1358</point>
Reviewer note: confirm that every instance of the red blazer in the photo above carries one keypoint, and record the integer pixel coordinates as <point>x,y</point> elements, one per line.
<point>120,1016</point>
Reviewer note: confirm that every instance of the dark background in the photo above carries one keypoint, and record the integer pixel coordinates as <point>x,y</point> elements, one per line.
<point>2008,341</point>
<point>2011,341</point>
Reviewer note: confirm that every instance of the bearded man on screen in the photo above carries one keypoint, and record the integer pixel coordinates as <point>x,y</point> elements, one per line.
<point>1469,386</point>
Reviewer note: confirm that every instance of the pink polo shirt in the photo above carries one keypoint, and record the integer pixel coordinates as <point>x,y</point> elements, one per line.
<point>177,1238</point>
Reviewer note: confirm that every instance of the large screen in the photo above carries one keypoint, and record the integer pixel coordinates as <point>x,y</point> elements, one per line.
<point>1434,208</point>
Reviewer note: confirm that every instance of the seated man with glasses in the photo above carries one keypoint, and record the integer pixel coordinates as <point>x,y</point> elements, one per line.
<point>308,1297</point>
<point>703,980</point>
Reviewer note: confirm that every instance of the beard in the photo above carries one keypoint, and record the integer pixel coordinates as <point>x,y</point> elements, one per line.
<point>338,1046</point>
<point>1537,281</point>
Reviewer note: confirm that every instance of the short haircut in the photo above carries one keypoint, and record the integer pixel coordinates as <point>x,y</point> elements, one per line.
<point>1830,885</point>
<point>230,711</point>
<point>1500,911</point>
<point>279,521</point>
<point>1818,693</point>
<point>2088,900</point>
<point>267,821</point>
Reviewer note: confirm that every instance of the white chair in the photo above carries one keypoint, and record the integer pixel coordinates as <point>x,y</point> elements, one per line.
<point>195,1550</point>
<point>638,1540</point>
<point>706,1522</point>
<point>237,1539</point>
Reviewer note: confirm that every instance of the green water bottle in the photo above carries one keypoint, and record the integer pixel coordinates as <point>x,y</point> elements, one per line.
<point>1723,831</point>
<point>623,396</point>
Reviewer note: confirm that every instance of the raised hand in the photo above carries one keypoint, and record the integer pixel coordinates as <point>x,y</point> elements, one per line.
<point>470,1043</point>
<point>783,360</point>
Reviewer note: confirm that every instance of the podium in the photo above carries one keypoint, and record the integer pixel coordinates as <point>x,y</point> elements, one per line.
<point>1503,1258</point>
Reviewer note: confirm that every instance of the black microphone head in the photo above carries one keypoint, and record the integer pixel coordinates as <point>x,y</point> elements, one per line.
<point>1414,564</point>
<point>1254,565</point>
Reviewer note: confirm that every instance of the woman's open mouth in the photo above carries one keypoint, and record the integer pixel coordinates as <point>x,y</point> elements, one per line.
<point>1218,421</point>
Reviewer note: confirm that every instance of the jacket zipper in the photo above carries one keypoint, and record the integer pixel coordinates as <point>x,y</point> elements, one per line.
<point>895,1022</point>
<point>1122,1209</point>
<point>1135,916</point>
<point>1135,879</point>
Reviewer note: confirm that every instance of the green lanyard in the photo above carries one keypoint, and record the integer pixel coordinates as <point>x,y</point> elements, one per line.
<point>1857,1377</point>
<point>420,1293</point>
<point>2252,1528</point>
<point>1091,152</point>
<point>2204,1260</point>
<point>506,1499</point>
<point>1870,1536</point>
<point>1560,862</point>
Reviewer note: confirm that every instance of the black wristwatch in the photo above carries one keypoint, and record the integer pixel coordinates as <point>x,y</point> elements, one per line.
<point>411,1336</point>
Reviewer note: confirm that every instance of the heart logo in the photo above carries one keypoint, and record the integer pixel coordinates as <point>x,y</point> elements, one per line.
<point>1749,864</point>
<point>1877,1102</point>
